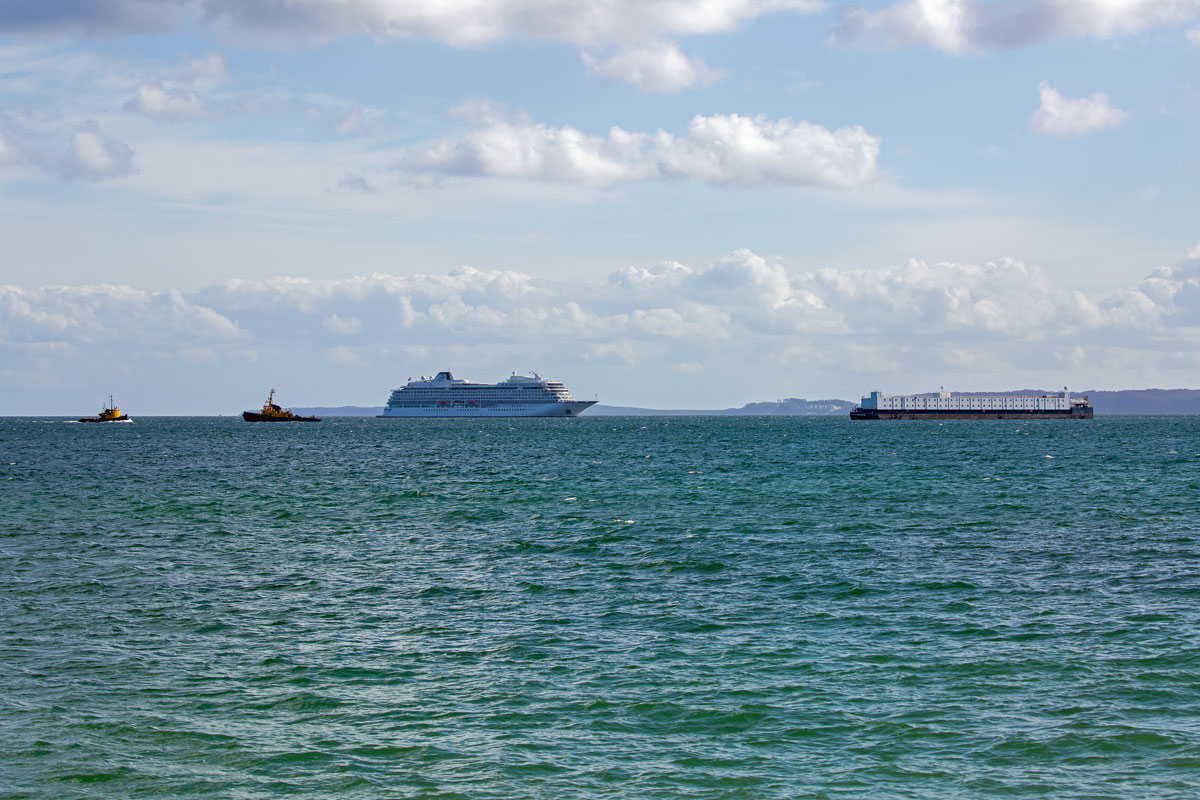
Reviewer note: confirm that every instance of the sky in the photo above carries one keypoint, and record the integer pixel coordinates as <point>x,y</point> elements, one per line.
<point>663,203</point>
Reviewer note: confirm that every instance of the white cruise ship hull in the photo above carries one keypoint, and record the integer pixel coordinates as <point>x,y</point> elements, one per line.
<point>572,409</point>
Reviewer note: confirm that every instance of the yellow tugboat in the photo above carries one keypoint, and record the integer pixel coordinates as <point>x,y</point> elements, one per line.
<point>108,413</point>
<point>273,413</point>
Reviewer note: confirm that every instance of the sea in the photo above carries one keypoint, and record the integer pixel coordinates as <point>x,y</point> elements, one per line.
<point>628,607</point>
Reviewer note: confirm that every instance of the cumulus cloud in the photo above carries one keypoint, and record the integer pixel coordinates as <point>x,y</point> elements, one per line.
<point>658,66</point>
<point>586,22</point>
<point>958,26</point>
<point>742,296</point>
<point>95,157</point>
<point>82,153</point>
<point>171,91</point>
<point>344,326</point>
<point>87,315</point>
<point>8,151</point>
<point>942,24</point>
<point>742,315</point>
<point>1067,117</point>
<point>636,28</point>
<point>718,149</point>
<point>163,102</point>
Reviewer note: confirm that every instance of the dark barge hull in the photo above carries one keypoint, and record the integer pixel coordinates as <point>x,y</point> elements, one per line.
<point>250,416</point>
<point>1081,413</point>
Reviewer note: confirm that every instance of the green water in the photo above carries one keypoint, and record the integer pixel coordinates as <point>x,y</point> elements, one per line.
<point>600,608</point>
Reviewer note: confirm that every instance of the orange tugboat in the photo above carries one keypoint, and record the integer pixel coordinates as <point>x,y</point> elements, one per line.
<point>108,413</point>
<point>273,413</point>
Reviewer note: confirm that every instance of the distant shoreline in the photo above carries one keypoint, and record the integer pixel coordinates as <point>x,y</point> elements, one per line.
<point>1126,402</point>
<point>1113,403</point>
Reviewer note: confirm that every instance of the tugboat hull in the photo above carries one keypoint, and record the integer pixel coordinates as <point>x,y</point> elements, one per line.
<point>122,418</point>
<point>251,416</point>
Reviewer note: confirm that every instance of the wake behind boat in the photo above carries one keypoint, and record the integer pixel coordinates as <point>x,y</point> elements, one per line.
<point>273,413</point>
<point>517,396</point>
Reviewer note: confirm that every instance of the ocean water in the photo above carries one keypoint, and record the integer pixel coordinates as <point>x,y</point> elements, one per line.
<point>600,608</point>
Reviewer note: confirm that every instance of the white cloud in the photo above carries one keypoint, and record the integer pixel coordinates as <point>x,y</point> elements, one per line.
<point>741,316</point>
<point>719,149</point>
<point>942,24</point>
<point>1193,35</point>
<point>737,299</point>
<point>657,66</point>
<point>958,26</point>
<point>8,151</point>
<point>108,315</point>
<point>82,154</point>
<point>170,103</point>
<point>1067,117</point>
<point>639,30</point>
<point>96,157</point>
<point>586,22</point>
<point>463,22</point>
<point>344,326</point>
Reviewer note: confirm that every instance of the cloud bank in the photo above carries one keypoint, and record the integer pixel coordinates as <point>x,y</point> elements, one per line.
<point>721,149</point>
<point>740,294</point>
<point>742,312</point>
<point>961,26</point>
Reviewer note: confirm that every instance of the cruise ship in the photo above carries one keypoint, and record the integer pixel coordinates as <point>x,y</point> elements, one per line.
<point>517,396</point>
<point>945,405</point>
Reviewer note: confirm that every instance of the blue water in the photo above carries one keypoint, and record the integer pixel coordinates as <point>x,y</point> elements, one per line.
<point>600,608</point>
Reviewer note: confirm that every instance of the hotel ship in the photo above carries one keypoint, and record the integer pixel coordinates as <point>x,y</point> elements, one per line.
<point>945,405</point>
<point>518,396</point>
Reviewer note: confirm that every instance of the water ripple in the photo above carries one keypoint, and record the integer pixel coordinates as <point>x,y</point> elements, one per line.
<point>638,608</point>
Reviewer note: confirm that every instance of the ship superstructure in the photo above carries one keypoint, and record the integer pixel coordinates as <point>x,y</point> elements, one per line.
<point>108,413</point>
<point>946,405</point>
<point>517,396</point>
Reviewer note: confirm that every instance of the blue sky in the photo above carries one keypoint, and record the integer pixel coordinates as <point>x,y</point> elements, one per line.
<point>664,202</point>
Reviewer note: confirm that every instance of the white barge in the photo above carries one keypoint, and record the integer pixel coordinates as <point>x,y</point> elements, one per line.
<point>946,405</point>
<point>518,396</point>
